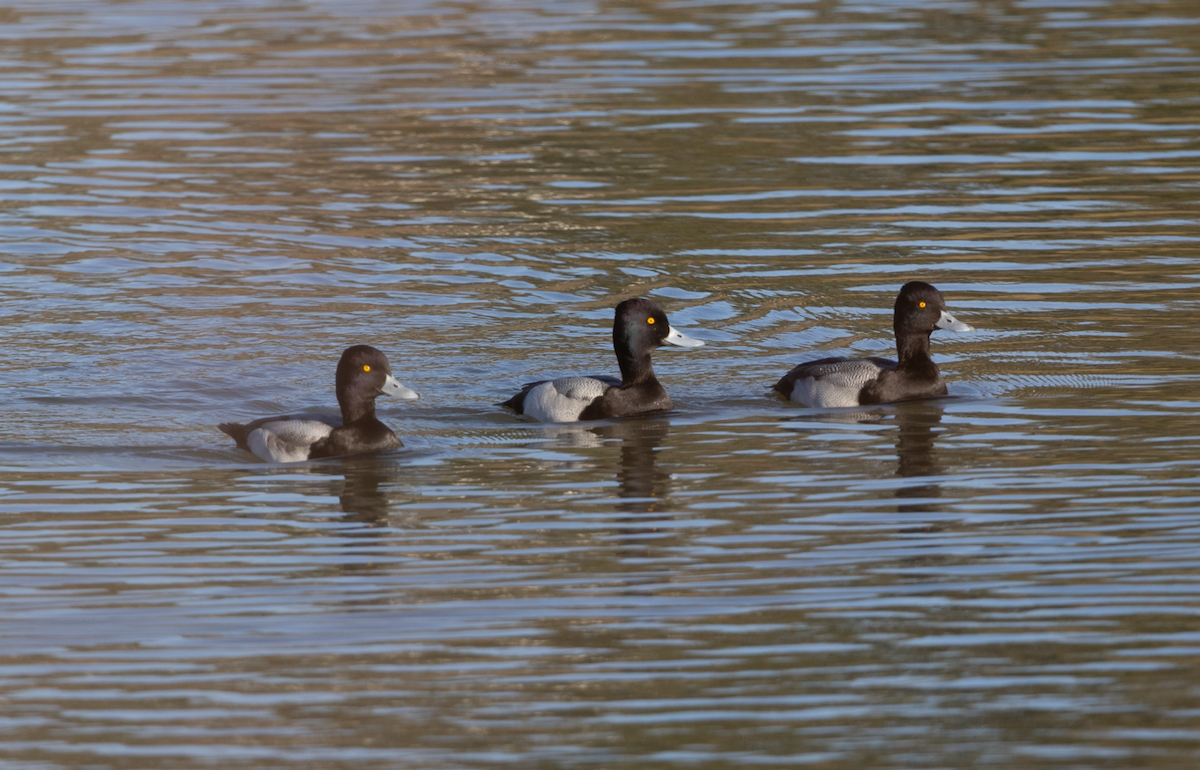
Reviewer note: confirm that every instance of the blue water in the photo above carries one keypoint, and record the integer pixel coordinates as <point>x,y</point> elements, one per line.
<point>203,202</point>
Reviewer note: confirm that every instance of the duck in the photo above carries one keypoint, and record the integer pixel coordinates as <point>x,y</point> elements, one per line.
<point>639,326</point>
<point>362,374</point>
<point>837,382</point>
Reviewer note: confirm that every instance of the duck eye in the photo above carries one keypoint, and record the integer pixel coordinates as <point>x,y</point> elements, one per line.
<point>367,367</point>
<point>650,320</point>
<point>922,304</point>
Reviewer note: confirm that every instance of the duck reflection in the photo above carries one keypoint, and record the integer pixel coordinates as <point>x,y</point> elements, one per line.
<point>916,424</point>
<point>361,498</point>
<point>643,486</point>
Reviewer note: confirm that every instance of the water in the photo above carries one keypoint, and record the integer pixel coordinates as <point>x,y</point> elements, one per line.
<point>202,203</point>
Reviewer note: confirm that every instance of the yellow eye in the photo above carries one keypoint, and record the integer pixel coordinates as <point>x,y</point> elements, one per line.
<point>367,367</point>
<point>649,320</point>
<point>922,304</point>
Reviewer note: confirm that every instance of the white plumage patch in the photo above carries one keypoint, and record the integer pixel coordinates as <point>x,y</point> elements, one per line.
<point>564,399</point>
<point>835,384</point>
<point>288,441</point>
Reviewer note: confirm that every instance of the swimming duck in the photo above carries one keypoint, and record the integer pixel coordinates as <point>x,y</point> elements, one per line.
<point>639,326</point>
<point>832,382</point>
<point>362,374</point>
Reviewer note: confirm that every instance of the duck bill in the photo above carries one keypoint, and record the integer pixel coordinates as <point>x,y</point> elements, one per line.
<point>393,388</point>
<point>951,323</point>
<point>681,340</point>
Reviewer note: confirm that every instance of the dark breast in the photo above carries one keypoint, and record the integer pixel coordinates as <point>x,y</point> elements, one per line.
<point>904,385</point>
<point>623,402</point>
<point>355,439</point>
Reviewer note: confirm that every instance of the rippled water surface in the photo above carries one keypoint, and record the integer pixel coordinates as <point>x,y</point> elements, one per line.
<point>202,202</point>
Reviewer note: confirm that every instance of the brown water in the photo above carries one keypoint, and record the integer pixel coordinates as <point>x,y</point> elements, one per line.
<point>203,201</point>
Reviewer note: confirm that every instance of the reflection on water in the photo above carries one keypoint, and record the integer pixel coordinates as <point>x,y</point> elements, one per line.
<point>360,496</point>
<point>916,430</point>
<point>641,485</point>
<point>200,200</point>
<point>644,487</point>
<point>916,426</point>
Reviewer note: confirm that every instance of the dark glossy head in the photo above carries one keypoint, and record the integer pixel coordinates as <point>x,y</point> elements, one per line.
<point>920,309</point>
<point>362,374</point>
<point>640,326</point>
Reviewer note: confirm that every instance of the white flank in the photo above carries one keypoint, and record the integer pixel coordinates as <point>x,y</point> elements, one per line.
<point>563,400</point>
<point>286,441</point>
<point>836,384</point>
